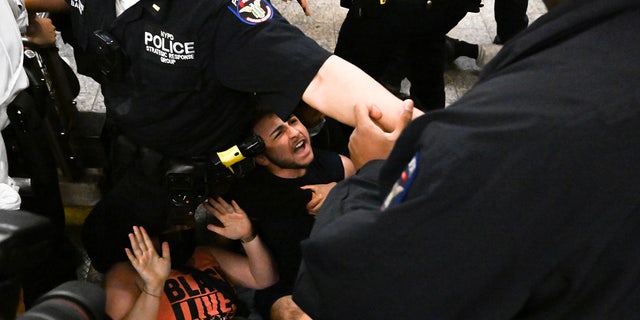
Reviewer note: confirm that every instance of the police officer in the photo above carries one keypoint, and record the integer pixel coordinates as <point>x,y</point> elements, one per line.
<point>394,39</point>
<point>518,201</point>
<point>179,80</point>
<point>511,18</point>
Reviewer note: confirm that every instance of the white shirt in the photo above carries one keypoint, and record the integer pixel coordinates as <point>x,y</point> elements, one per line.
<point>122,5</point>
<point>13,79</point>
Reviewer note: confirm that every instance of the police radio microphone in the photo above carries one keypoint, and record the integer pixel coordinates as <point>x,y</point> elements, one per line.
<point>192,182</point>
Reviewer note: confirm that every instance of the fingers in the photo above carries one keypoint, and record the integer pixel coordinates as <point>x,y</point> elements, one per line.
<point>214,228</point>
<point>137,243</point>
<point>311,187</point>
<point>359,112</point>
<point>362,115</point>
<point>141,244</point>
<point>232,217</point>
<point>218,207</point>
<point>221,205</point>
<point>406,116</point>
<point>130,255</point>
<point>236,207</point>
<point>165,250</point>
<point>319,194</point>
<point>314,202</point>
<point>41,31</point>
<point>369,140</point>
<point>143,238</point>
<point>374,113</point>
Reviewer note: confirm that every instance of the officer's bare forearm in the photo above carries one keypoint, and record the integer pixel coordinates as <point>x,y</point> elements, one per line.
<point>339,86</point>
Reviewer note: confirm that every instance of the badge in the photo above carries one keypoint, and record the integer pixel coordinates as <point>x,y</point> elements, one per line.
<point>401,186</point>
<point>251,12</point>
<point>168,48</point>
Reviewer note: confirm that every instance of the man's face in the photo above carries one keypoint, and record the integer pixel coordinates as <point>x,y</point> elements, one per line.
<point>287,144</point>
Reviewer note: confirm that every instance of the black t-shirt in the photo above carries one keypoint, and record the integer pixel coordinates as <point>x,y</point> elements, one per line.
<point>277,207</point>
<point>192,72</point>
<point>519,201</point>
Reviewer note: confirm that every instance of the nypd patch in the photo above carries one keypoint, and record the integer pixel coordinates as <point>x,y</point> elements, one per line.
<point>403,184</point>
<point>251,12</point>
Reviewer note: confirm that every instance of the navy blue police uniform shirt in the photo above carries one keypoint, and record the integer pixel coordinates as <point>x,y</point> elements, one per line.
<point>193,70</point>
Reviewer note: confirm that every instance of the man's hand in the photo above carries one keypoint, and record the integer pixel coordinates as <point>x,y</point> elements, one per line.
<point>368,141</point>
<point>285,309</point>
<point>41,31</point>
<point>236,224</point>
<point>319,193</point>
<point>152,268</point>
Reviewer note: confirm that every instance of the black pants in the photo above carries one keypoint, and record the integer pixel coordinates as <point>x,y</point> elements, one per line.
<point>511,17</point>
<point>403,39</point>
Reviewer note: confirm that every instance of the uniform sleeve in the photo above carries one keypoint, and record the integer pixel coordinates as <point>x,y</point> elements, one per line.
<point>272,59</point>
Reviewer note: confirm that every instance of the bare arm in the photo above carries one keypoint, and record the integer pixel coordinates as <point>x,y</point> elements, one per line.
<point>46,5</point>
<point>339,86</point>
<point>255,270</point>
<point>124,299</point>
<point>349,167</point>
<point>134,289</point>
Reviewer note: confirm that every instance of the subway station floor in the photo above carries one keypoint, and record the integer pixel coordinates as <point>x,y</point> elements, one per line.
<point>323,26</point>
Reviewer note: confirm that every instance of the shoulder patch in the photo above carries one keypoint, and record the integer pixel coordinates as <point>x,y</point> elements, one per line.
<point>401,186</point>
<point>251,12</point>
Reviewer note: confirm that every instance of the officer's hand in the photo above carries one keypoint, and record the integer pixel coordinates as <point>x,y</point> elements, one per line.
<point>368,141</point>
<point>41,31</point>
